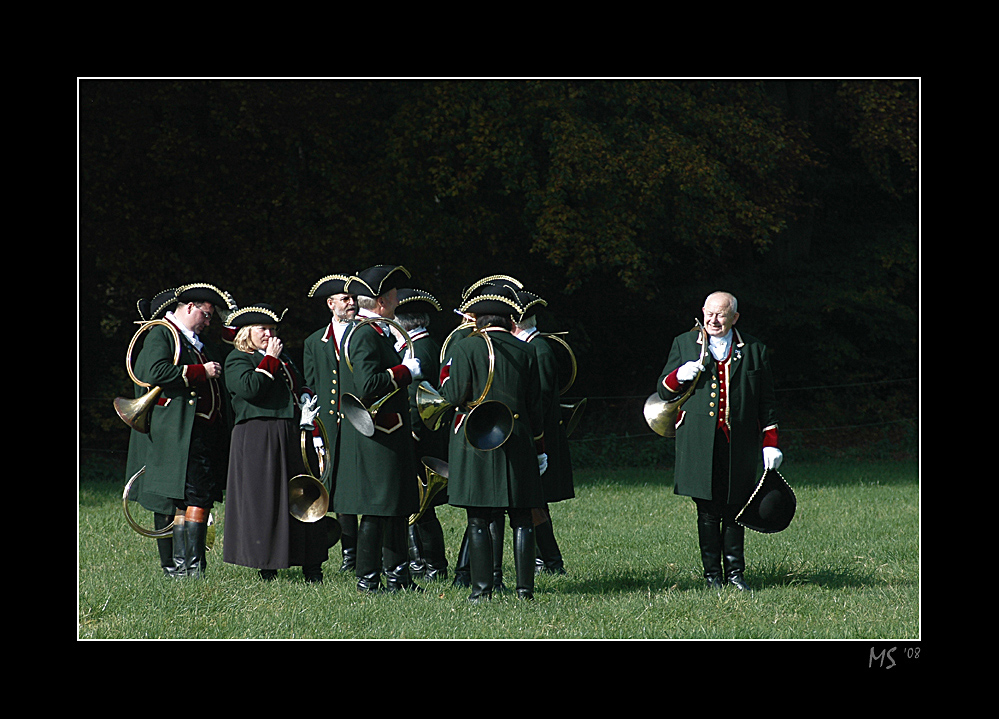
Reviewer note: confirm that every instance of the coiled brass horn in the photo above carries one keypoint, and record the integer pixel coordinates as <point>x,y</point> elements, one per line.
<point>575,412</point>
<point>661,414</point>
<point>167,531</point>
<point>135,412</point>
<point>488,423</point>
<point>309,496</point>
<point>354,409</point>
<point>572,358</point>
<point>436,470</point>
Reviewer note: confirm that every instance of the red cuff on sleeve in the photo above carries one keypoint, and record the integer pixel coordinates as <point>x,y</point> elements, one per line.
<point>195,373</point>
<point>270,365</point>
<point>671,382</point>
<point>400,373</point>
<point>770,437</point>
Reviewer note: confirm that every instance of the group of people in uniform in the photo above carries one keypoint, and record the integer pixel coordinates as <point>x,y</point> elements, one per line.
<point>233,422</point>
<point>232,427</point>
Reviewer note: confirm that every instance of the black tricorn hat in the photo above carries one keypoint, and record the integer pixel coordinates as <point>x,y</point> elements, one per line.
<point>489,299</point>
<point>157,307</point>
<point>376,281</point>
<point>201,292</point>
<point>329,285</point>
<point>259,314</point>
<point>771,507</point>
<point>412,301</point>
<point>530,302</point>
<point>491,280</point>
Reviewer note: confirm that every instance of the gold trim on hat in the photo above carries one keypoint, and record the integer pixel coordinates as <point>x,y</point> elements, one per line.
<point>424,296</point>
<point>255,308</point>
<point>499,298</point>
<point>468,290</point>
<point>327,278</point>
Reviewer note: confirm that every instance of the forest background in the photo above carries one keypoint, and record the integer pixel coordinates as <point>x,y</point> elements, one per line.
<point>623,203</point>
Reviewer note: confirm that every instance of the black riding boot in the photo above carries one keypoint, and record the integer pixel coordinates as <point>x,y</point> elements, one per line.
<point>524,549</point>
<point>462,569</point>
<point>710,540</point>
<point>496,532</point>
<point>551,555</point>
<point>180,566</point>
<point>417,564</point>
<point>480,556</point>
<point>733,541</point>
<point>434,557</point>
<point>368,567</point>
<point>164,545</point>
<point>195,533</point>
<point>395,556</point>
<point>348,541</point>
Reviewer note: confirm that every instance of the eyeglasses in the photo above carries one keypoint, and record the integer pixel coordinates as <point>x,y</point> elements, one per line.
<point>208,315</point>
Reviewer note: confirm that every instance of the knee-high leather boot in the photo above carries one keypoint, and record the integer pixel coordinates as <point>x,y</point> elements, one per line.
<point>417,564</point>
<point>524,549</point>
<point>179,546</point>
<point>480,556</point>
<point>496,532</point>
<point>196,531</point>
<point>733,542</point>
<point>551,555</point>
<point>710,539</point>
<point>434,557</point>
<point>462,568</point>
<point>368,566</point>
<point>164,545</point>
<point>395,556</point>
<point>348,541</point>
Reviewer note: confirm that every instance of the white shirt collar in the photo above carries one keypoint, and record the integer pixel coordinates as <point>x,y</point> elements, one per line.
<point>719,346</point>
<point>191,337</point>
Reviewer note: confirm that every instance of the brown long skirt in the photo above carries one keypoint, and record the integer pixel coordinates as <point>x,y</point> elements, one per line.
<point>259,531</point>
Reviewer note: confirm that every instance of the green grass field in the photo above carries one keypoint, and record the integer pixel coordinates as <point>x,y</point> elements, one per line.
<point>847,568</point>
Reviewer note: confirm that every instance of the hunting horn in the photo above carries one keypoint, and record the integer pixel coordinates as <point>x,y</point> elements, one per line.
<point>488,423</point>
<point>167,531</point>
<point>362,417</point>
<point>135,412</point>
<point>660,414</point>
<point>436,470</point>
<point>308,496</point>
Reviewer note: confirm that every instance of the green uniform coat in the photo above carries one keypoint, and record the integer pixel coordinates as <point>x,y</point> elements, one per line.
<point>375,475</point>
<point>164,450</point>
<point>751,408</point>
<point>321,364</point>
<point>557,480</point>
<point>508,476</point>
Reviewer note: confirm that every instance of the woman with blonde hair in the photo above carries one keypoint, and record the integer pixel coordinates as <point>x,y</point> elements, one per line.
<point>270,403</point>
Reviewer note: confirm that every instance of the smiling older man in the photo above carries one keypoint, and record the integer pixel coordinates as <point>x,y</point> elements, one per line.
<point>730,416</point>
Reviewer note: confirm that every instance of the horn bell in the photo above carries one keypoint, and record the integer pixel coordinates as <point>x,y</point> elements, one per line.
<point>660,415</point>
<point>358,415</point>
<point>308,499</point>
<point>489,425</point>
<point>431,406</point>
<point>135,412</point>
<point>575,412</point>
<point>437,473</point>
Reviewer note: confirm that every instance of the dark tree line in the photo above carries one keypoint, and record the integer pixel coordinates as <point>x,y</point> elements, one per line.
<point>623,203</point>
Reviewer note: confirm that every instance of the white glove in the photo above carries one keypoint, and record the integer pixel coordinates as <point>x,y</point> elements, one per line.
<point>688,371</point>
<point>310,408</point>
<point>772,457</point>
<point>317,442</point>
<point>542,462</point>
<point>413,365</point>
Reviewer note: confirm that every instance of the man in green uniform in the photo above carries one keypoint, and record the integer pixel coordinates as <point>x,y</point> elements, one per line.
<point>729,417</point>
<point>375,477</point>
<point>185,452</point>
<point>558,480</point>
<point>321,366</point>
<point>427,556</point>
<point>484,481</point>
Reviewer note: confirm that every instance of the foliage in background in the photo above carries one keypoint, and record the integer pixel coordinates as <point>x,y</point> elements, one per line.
<point>622,202</point>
